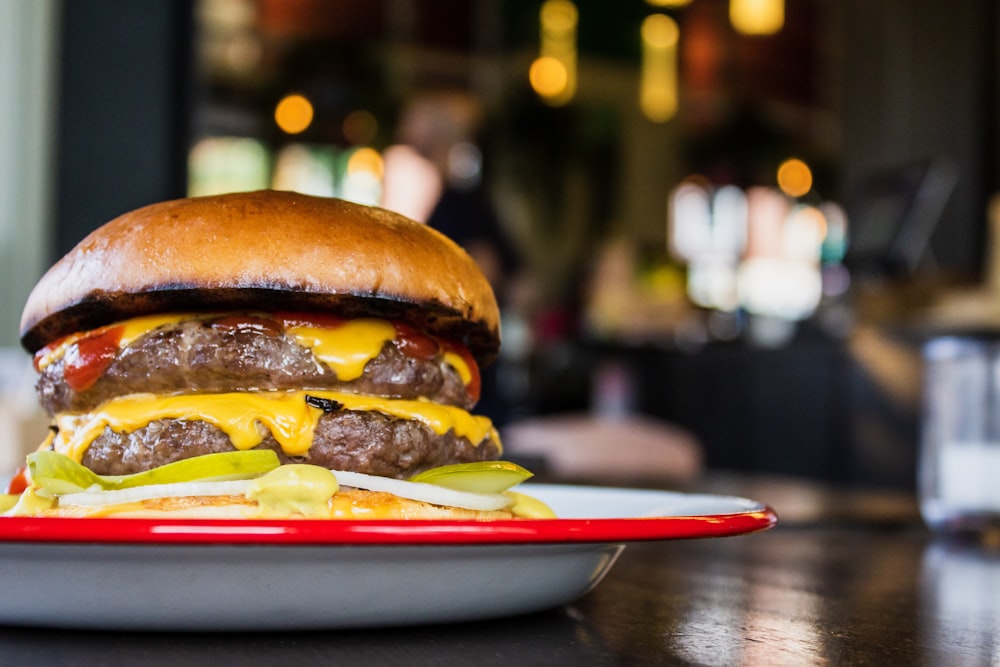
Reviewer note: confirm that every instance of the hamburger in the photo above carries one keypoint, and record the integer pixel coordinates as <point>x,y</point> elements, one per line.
<point>265,354</point>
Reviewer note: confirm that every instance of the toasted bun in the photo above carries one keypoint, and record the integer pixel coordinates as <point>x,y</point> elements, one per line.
<point>356,504</point>
<point>265,250</point>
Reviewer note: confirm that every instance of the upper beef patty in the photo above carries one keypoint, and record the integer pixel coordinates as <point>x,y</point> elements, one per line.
<point>198,356</point>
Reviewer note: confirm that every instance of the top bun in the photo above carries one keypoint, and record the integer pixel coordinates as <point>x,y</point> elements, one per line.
<point>268,251</point>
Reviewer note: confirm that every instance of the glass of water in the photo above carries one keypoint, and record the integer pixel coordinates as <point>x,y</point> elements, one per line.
<point>959,465</point>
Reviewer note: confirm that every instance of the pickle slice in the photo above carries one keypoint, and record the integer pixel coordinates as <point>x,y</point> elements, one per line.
<point>8,500</point>
<point>528,507</point>
<point>478,477</point>
<point>58,474</point>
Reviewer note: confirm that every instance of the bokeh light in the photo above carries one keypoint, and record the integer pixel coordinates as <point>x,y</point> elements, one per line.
<point>294,113</point>
<point>757,17</point>
<point>548,76</point>
<point>658,79</point>
<point>794,177</point>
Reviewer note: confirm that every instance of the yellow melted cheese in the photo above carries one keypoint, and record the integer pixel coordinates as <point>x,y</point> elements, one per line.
<point>348,347</point>
<point>458,363</point>
<point>247,417</point>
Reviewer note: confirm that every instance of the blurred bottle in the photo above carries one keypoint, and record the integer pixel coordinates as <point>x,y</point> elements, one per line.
<point>959,464</point>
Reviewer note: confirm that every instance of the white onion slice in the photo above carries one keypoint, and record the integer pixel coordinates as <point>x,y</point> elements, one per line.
<point>176,490</point>
<point>428,493</point>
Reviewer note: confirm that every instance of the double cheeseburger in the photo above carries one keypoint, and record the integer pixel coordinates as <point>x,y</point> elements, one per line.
<point>220,356</point>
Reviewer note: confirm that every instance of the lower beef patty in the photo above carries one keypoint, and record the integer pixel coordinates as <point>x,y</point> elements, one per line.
<point>194,356</point>
<point>367,442</point>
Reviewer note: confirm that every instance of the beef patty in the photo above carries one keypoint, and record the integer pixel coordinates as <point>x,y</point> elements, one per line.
<point>366,442</point>
<point>196,357</point>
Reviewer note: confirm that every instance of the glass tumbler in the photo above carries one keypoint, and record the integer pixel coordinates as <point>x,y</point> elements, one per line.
<point>959,464</point>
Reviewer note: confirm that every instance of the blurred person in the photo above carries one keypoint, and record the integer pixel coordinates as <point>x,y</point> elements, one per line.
<point>434,174</point>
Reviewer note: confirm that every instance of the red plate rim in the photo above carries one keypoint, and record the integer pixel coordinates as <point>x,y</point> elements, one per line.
<point>381,532</point>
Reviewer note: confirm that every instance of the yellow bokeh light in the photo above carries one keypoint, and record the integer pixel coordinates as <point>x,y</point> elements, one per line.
<point>658,94</point>
<point>294,113</point>
<point>757,17</point>
<point>548,76</point>
<point>366,160</point>
<point>553,73</point>
<point>558,16</point>
<point>658,104</point>
<point>794,177</point>
<point>668,3</point>
<point>659,31</point>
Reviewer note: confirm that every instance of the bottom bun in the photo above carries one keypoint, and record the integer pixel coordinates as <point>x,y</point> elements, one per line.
<point>351,504</point>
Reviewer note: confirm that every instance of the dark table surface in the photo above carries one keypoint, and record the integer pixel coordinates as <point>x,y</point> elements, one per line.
<point>846,578</point>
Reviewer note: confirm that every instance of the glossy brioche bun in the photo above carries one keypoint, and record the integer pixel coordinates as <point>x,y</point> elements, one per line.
<point>265,250</point>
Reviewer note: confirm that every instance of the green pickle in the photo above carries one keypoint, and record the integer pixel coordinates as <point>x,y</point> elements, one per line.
<point>283,490</point>
<point>56,474</point>
<point>527,507</point>
<point>8,501</point>
<point>478,477</point>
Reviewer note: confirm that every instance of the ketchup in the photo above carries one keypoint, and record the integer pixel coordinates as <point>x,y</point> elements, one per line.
<point>88,358</point>
<point>414,343</point>
<point>19,482</point>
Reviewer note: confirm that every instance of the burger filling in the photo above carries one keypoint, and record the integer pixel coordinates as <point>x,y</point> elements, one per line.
<point>254,484</point>
<point>215,353</point>
<point>368,395</point>
<point>367,441</point>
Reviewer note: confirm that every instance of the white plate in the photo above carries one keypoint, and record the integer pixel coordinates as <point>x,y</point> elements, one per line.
<point>306,574</point>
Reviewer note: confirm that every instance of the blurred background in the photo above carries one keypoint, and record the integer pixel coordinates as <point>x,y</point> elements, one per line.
<point>728,225</point>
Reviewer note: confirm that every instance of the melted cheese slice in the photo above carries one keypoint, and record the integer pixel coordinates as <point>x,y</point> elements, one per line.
<point>458,363</point>
<point>247,417</point>
<point>346,348</point>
